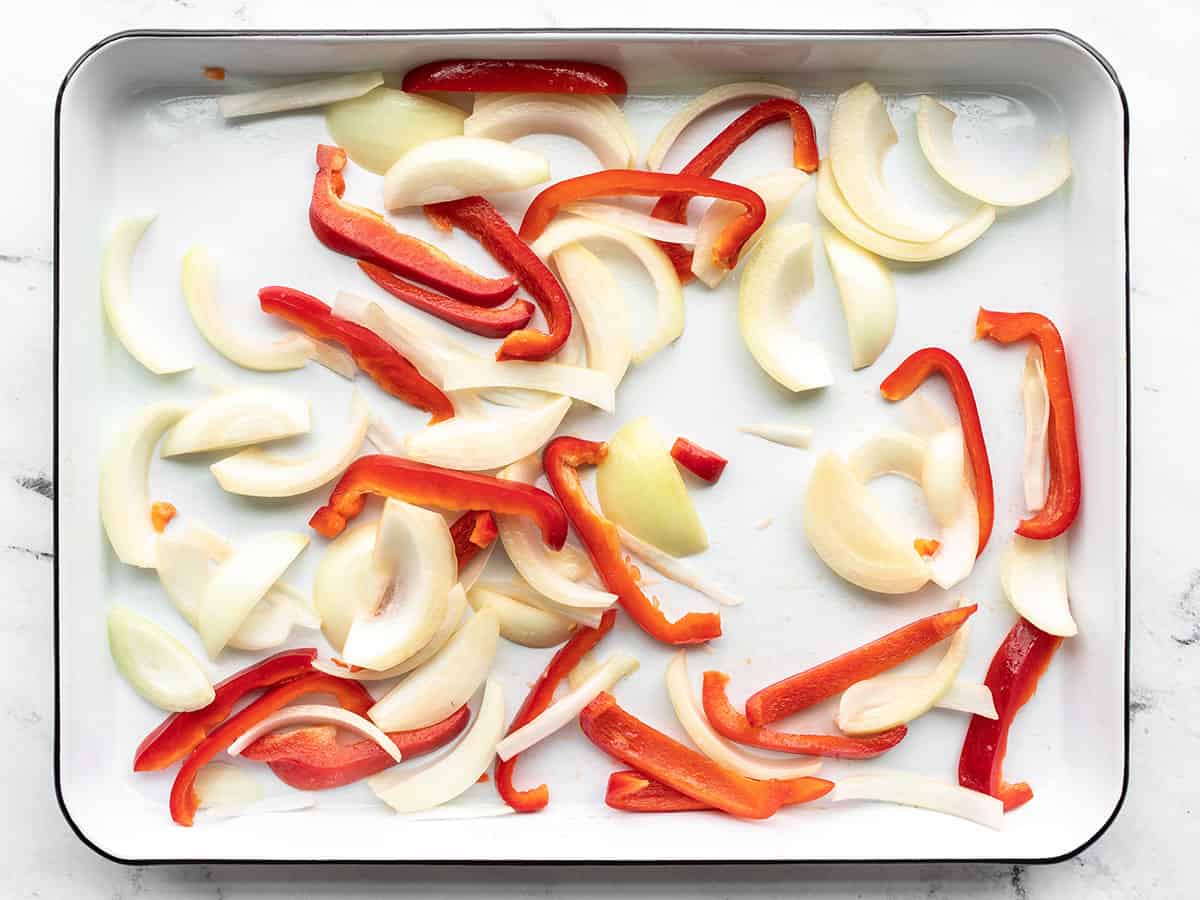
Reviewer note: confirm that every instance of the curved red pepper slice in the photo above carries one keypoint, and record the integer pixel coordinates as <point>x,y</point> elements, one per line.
<point>561,458</point>
<point>700,462</point>
<point>909,375</point>
<point>1065,490</point>
<point>632,791</point>
<point>525,76</point>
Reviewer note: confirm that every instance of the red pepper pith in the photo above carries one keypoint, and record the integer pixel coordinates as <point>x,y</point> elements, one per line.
<point>524,76</point>
<point>700,462</point>
<point>634,792</point>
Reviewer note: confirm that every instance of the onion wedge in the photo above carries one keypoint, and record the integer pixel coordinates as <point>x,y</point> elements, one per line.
<point>315,714</point>
<point>220,785</point>
<point>592,387</point>
<point>676,570</point>
<point>970,697</point>
<point>600,310</point>
<point>298,96</point>
<point>787,435</point>
<point>580,615</point>
<point>237,418</point>
<point>156,665</point>
<point>868,297</point>
<point>520,622</point>
<point>344,582</point>
<point>1034,577</point>
<point>451,168</point>
<point>1036,400</point>
<point>592,124</point>
<point>922,792</point>
<point>633,220</point>
<point>935,132</point>
<point>379,127</point>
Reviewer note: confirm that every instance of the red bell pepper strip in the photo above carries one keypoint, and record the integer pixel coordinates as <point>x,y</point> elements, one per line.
<point>634,792</point>
<point>1065,490</point>
<point>480,219</point>
<point>909,375</point>
<point>364,234</point>
<point>375,356</point>
<point>179,732</point>
<point>700,462</point>
<point>1013,676</point>
<point>161,513</point>
<point>493,323</point>
<point>471,532</point>
<point>350,694</point>
<point>540,696</point>
<point>727,721</point>
<point>561,459</point>
<point>313,759</point>
<point>813,685</point>
<point>524,76</point>
<point>627,738</point>
<point>428,485</point>
<point>625,182</point>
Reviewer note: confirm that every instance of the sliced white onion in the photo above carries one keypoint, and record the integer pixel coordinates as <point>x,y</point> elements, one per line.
<point>237,418</point>
<point>379,127</point>
<point>516,115</point>
<point>520,622</point>
<point>942,474</point>
<point>787,435</point>
<point>1034,577</point>
<point>583,384</point>
<point>970,697</point>
<point>344,582</point>
<point>471,572</point>
<point>922,792</point>
<point>583,669</point>
<point>1036,399</point>
<point>868,297</point>
<point>298,96</point>
<point>316,714</point>
<point>156,665</point>
<point>889,453</point>
<point>633,220</point>
<point>291,801</point>
<point>451,168</point>
<point>600,309</point>
<point>588,617</point>
<point>221,785</point>
<point>676,570</point>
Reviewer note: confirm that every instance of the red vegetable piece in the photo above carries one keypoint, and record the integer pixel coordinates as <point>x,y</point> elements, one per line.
<point>526,76</point>
<point>700,462</point>
<point>471,532</point>
<point>634,792</point>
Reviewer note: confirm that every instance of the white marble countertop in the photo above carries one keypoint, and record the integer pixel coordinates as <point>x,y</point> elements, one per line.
<point>1142,855</point>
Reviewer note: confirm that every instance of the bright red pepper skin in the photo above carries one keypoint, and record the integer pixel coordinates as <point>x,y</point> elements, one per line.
<point>700,462</point>
<point>813,685</point>
<point>179,732</point>
<point>632,791</point>
<point>483,222</point>
<point>561,459</point>
<point>909,375</point>
<point>1065,491</point>
<point>525,76</point>
<point>375,356</point>
<point>471,532</point>
<point>350,694</point>
<point>428,485</point>
<point>540,696</point>
<point>1013,675</point>
<point>364,234</point>
<point>634,182</point>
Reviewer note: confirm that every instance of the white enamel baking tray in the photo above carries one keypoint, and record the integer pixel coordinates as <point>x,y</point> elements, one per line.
<point>135,132</point>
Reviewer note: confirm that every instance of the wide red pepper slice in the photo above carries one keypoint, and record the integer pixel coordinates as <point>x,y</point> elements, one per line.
<point>540,696</point>
<point>700,462</point>
<point>375,356</point>
<point>364,234</point>
<point>525,76</point>
<point>632,791</point>
<point>179,732</point>
<point>910,375</point>
<point>1013,677</point>
<point>1065,491</point>
<point>561,459</point>
<point>428,485</point>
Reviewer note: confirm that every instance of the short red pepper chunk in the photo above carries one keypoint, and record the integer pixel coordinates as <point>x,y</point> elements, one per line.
<point>561,458</point>
<point>375,356</point>
<point>632,791</point>
<point>909,375</point>
<point>700,462</point>
<point>471,532</point>
<point>364,234</point>
<point>161,513</point>
<point>525,76</point>
<point>1065,490</point>
<point>1013,676</point>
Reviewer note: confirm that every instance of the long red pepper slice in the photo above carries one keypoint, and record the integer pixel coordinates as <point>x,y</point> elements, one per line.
<point>428,485</point>
<point>633,182</point>
<point>700,462</point>
<point>813,685</point>
<point>634,792</point>
<point>313,759</point>
<point>471,532</point>
<point>375,356</point>
<point>627,738</point>
<point>526,76</point>
<point>483,222</point>
<point>1065,490</point>
<point>909,375</point>
<point>493,323</point>
<point>180,732</point>
<point>364,234</point>
<point>350,694</point>
<point>561,459</point>
<point>541,695</point>
<point>725,718</point>
<point>1013,676</point>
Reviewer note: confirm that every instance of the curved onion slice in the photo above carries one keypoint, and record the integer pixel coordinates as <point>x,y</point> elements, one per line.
<point>455,167</point>
<point>1036,400</point>
<point>124,483</point>
<point>344,582</point>
<point>889,453</point>
<point>633,220</point>
<point>600,309</point>
<point>220,785</point>
<point>382,125</point>
<point>255,472</point>
<point>834,208</point>
<point>444,683</point>
<point>517,115</point>
<point>675,569</point>
<point>1034,577</point>
<point>583,384</point>
<point>156,665</point>
<point>454,773</point>
<point>717,748</point>
<point>787,435</point>
<point>667,290</point>
<point>237,418</point>
<point>868,297</point>
<point>564,710</point>
<point>783,258</point>
<point>942,474</point>
<point>315,714</point>
<point>922,792</point>
<point>970,697</point>
<point>298,96</point>
<point>588,617</point>
<point>935,131</point>
<point>702,104</point>
<point>520,622</point>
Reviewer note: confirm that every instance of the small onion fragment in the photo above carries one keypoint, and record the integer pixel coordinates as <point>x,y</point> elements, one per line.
<point>1036,399</point>
<point>868,297</point>
<point>156,664</point>
<point>922,792</point>
<point>223,786</point>
<point>1034,577</point>
<point>298,96</point>
<point>590,120</point>
<point>315,714</point>
<point>522,623</point>
<point>635,221</point>
<point>600,309</point>
<point>676,570</point>
<point>236,418</point>
<point>970,697</point>
<point>787,435</point>
<point>382,125</point>
<point>451,168</point>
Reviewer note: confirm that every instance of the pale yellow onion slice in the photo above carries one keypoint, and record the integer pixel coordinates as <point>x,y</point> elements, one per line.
<point>522,623</point>
<point>221,785</point>
<point>522,114</point>
<point>633,220</point>
<point>838,213</point>
<point>1036,399</point>
<point>444,683</point>
<point>1034,577</point>
<point>143,342</point>
<point>344,582</point>
<point>787,435</point>
<point>592,387</point>
<point>316,714</point>
<point>255,472</point>
<point>935,132</point>
<point>600,309</point>
<point>588,617</point>
<point>298,96</point>
<point>702,104</point>
<point>970,697</point>
<point>868,297</point>
<point>454,773</point>
<point>676,570</point>
<point>379,127</point>
<point>124,483</point>
<point>156,664</point>
<point>563,711</point>
<point>599,102</point>
<point>781,267</point>
<point>237,418</point>
<point>586,666</point>
<point>889,453</point>
<point>922,792</point>
<point>268,625</point>
<point>451,168</point>
<point>942,475</point>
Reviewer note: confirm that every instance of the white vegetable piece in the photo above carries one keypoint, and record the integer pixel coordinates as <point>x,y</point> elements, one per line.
<point>595,388</point>
<point>590,121</point>
<point>787,435</point>
<point>156,665</point>
<point>345,583</point>
<point>1034,577</point>
<point>298,96</point>
<point>451,168</point>
<point>1036,399</point>
<point>221,785</point>
<point>675,569</point>
<point>633,220</point>
<point>922,792</point>
<point>383,124</point>
<point>600,309</point>
<point>237,418</point>
<point>520,622</point>
<point>970,697</point>
<point>315,714</point>
<point>868,297</point>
